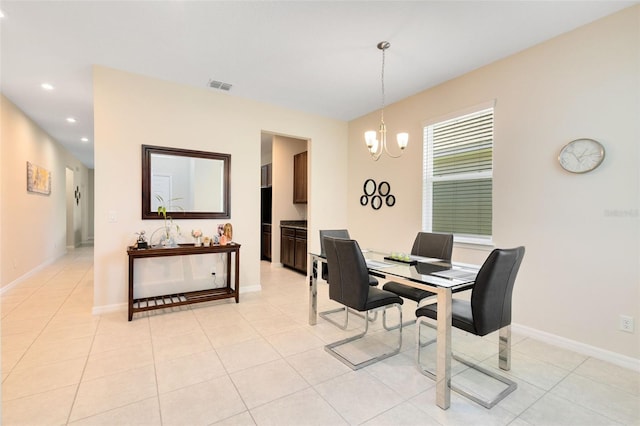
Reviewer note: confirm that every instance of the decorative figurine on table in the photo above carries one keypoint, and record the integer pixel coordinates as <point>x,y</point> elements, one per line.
<point>197,234</point>
<point>228,232</point>
<point>142,241</point>
<point>218,239</point>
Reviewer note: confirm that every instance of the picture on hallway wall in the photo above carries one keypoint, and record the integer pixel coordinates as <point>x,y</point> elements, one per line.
<point>38,179</point>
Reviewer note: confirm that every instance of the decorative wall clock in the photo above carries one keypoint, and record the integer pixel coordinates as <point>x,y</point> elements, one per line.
<point>581,155</point>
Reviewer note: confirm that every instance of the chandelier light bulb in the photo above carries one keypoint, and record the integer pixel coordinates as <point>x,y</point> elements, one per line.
<point>403,140</point>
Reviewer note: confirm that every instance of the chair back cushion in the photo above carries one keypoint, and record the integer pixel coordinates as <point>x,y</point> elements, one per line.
<point>348,273</point>
<point>428,244</point>
<point>333,233</point>
<point>491,295</point>
<point>336,233</point>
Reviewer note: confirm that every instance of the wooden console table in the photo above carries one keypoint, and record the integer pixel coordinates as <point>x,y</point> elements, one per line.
<point>184,298</point>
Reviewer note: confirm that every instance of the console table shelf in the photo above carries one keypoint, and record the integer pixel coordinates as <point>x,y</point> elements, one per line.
<point>184,298</point>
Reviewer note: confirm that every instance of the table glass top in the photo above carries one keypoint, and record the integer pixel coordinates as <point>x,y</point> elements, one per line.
<point>432,271</point>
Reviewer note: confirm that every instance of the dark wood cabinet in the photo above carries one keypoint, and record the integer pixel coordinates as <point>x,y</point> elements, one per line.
<point>300,251</point>
<point>287,246</point>
<point>293,248</point>
<point>266,242</point>
<point>300,178</point>
<point>265,175</point>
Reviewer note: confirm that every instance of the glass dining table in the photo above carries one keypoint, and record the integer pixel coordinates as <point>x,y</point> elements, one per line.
<point>436,275</point>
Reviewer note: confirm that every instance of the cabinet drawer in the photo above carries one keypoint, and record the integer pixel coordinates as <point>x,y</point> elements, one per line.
<point>301,234</point>
<point>288,232</point>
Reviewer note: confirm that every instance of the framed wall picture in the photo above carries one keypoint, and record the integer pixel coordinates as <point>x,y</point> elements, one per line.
<point>38,179</point>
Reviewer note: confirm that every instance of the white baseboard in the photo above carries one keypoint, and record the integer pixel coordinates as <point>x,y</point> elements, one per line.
<point>30,273</point>
<point>582,348</point>
<point>250,288</point>
<point>107,309</point>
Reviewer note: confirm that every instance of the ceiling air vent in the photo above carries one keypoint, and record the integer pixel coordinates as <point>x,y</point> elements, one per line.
<point>220,85</point>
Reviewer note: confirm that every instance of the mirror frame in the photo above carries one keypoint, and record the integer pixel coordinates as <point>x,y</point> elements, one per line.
<point>148,150</point>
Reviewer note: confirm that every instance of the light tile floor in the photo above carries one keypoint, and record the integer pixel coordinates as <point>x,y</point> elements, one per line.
<point>260,363</point>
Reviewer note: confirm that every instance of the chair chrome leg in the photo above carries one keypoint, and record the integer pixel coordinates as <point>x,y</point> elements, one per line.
<point>511,385</point>
<point>343,326</point>
<point>419,322</point>
<point>326,316</point>
<point>407,323</point>
<point>504,348</point>
<point>330,348</point>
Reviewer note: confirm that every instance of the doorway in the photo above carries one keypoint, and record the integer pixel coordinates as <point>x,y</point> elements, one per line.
<point>70,210</point>
<point>279,203</point>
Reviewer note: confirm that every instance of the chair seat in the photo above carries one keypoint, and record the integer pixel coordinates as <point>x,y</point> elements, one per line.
<point>406,291</point>
<point>461,315</point>
<point>378,298</point>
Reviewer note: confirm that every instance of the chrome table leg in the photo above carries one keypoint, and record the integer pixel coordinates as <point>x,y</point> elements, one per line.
<point>313,292</point>
<point>443,355</point>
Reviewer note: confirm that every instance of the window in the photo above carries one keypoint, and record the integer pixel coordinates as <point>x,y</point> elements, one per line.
<point>458,176</point>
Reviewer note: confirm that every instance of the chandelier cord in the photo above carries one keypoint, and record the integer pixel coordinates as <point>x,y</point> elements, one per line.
<point>382,78</point>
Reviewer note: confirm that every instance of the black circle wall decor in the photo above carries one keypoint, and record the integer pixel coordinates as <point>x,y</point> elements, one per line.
<point>369,187</point>
<point>383,189</point>
<point>376,202</point>
<point>391,200</point>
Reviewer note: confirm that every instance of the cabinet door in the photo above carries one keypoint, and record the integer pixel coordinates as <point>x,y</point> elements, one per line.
<point>301,255</point>
<point>300,178</point>
<point>287,247</point>
<point>266,245</point>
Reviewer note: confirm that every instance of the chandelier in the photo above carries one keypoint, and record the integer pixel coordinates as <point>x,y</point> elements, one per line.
<point>377,147</point>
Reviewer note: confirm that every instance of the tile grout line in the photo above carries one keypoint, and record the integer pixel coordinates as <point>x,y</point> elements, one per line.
<point>48,321</point>
<point>228,375</point>
<point>84,368</point>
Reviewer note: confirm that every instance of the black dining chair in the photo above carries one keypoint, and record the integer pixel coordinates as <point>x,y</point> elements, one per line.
<point>349,286</point>
<point>426,244</point>
<point>344,234</point>
<point>488,310</point>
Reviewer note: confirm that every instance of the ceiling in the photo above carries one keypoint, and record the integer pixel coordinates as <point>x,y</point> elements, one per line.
<point>313,56</point>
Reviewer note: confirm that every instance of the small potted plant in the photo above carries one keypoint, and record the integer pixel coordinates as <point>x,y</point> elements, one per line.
<point>167,239</point>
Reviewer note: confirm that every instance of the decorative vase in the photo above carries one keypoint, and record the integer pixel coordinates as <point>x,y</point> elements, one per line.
<point>198,241</point>
<point>165,238</point>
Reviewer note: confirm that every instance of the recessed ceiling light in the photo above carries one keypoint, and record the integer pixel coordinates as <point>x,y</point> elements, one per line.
<point>84,139</point>
<point>71,119</point>
<point>46,86</point>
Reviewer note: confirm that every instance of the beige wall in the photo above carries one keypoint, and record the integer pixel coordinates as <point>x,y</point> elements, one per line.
<point>130,110</point>
<point>33,226</point>
<point>581,269</point>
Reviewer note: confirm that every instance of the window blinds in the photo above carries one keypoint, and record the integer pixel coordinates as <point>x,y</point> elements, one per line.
<point>459,172</point>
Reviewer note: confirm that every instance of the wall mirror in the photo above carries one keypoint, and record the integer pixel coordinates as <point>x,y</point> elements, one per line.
<point>193,184</point>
